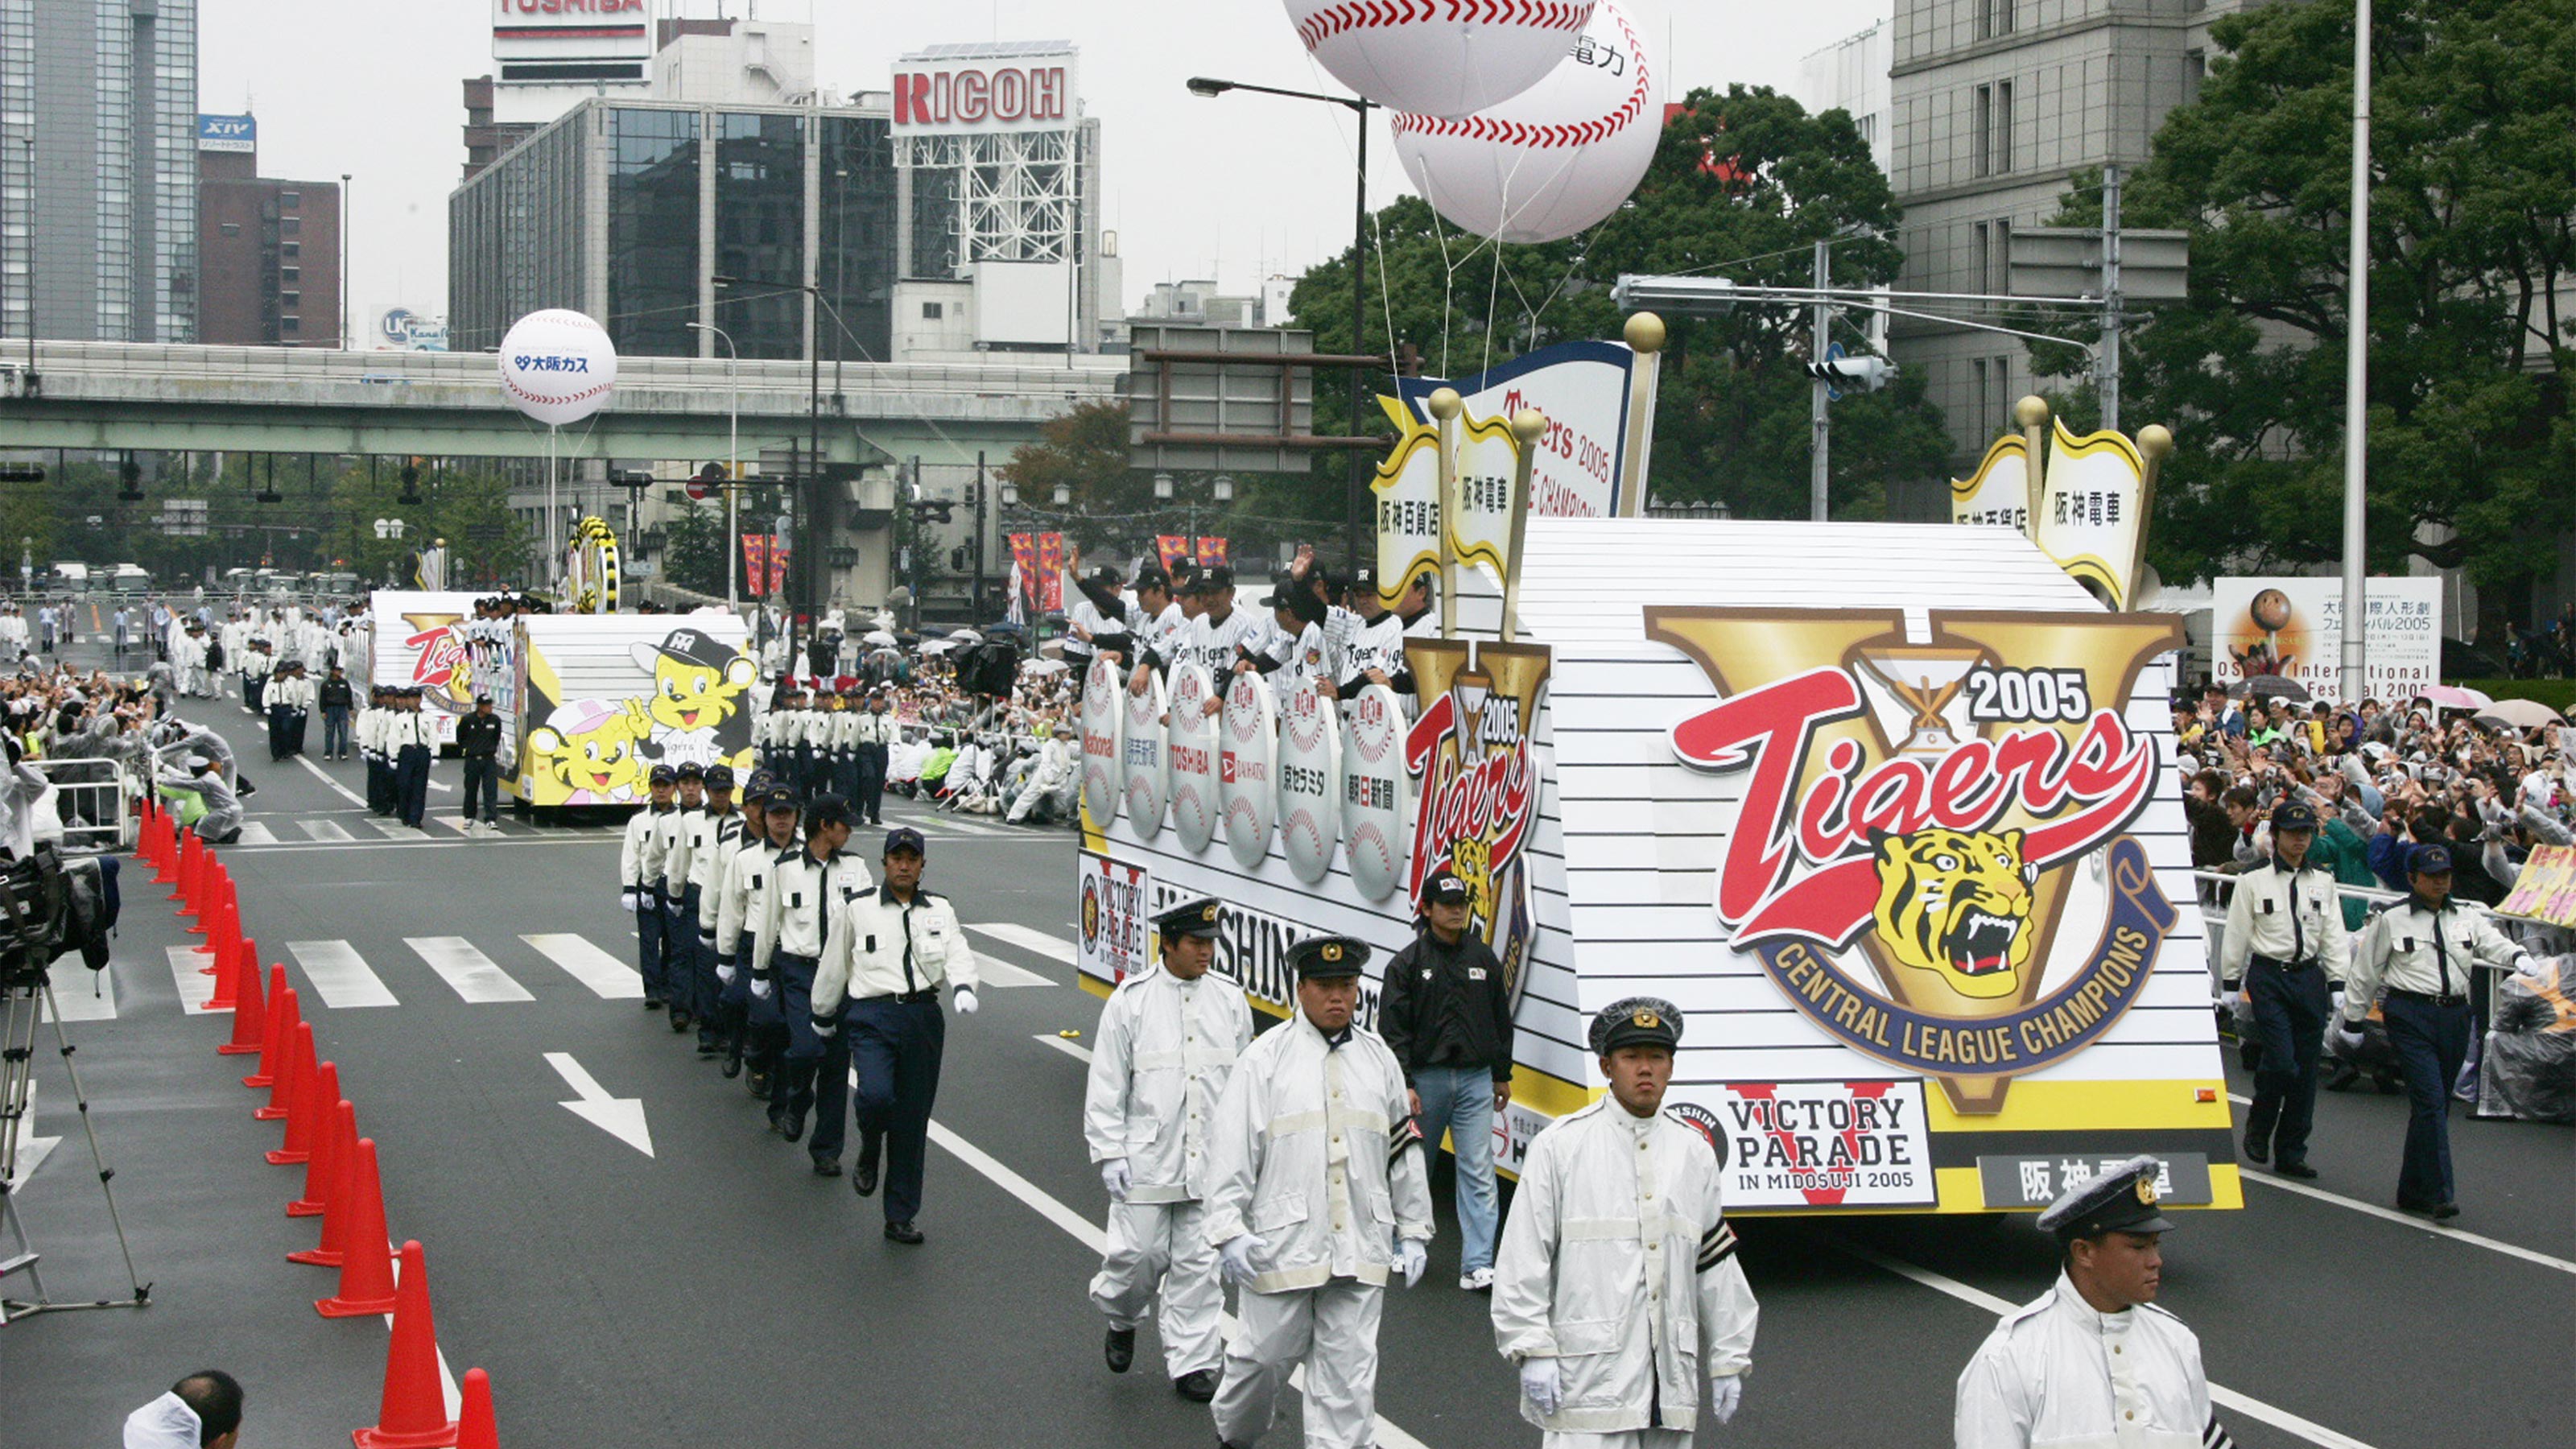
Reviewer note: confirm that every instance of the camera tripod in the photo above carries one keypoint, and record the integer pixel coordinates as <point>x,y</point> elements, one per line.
<point>24,1006</point>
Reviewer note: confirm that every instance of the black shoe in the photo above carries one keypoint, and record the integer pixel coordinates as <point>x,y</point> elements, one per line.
<point>758,1085</point>
<point>2444,1211</point>
<point>2257,1153</point>
<point>1198,1385</point>
<point>680,1022</point>
<point>864,1181</point>
<point>1119,1349</point>
<point>708,1048</point>
<point>903,1233</point>
<point>791,1123</point>
<point>827,1167</point>
<point>777,1119</point>
<point>651,1004</point>
<point>2299,1170</point>
<point>733,1067</point>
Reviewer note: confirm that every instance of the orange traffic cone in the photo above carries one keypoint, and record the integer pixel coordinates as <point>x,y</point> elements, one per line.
<point>272,1039</point>
<point>187,871</point>
<point>295,1074</point>
<point>147,832</point>
<point>217,922</point>
<point>366,1272</point>
<point>475,1426</point>
<point>305,1115</point>
<point>341,1205</point>
<point>413,1414</point>
<point>250,1016</point>
<point>173,848</point>
<point>337,1138</point>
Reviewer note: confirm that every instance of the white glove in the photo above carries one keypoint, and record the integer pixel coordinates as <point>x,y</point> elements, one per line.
<point>724,973</point>
<point>1238,1260</point>
<point>1725,1396</point>
<point>966,1002</point>
<point>1410,1260</point>
<point>1116,1176</point>
<point>1541,1385</point>
<point>760,987</point>
<point>626,901</point>
<point>2347,1037</point>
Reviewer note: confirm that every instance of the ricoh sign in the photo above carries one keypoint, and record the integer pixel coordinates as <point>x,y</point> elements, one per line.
<point>984,94</point>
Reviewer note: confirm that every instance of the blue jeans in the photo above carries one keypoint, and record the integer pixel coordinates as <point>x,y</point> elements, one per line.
<point>2431,1042</point>
<point>1461,1099</point>
<point>335,731</point>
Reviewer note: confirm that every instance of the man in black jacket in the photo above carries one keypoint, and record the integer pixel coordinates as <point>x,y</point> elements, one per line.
<point>478,739</point>
<point>338,701</point>
<point>1447,1014</point>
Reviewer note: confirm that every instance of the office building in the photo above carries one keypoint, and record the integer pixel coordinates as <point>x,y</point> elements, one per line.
<point>269,249</point>
<point>107,93</point>
<point>1852,75</point>
<point>726,61</point>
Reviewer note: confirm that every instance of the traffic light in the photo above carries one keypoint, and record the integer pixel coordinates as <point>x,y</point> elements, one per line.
<point>1870,373</point>
<point>22,472</point>
<point>131,475</point>
<point>957,560</point>
<point>410,497</point>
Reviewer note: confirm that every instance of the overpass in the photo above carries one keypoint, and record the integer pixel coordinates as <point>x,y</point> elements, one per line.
<point>111,397</point>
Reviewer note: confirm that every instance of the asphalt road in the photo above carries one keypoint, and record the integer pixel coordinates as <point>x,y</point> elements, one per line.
<point>716,1292</point>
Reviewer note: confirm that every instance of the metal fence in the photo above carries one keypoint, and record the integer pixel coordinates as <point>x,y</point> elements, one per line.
<point>93,801</point>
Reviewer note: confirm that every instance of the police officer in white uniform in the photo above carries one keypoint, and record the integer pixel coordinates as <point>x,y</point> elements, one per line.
<point>2285,944</point>
<point>1617,1290</point>
<point>2094,1364</point>
<point>874,732</point>
<point>2421,952</point>
<point>639,882</point>
<point>804,891</point>
<point>1167,1042</point>
<point>756,1030</point>
<point>1317,1196</point>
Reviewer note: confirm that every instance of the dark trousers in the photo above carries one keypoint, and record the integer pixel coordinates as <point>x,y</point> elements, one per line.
<point>251,688</point>
<point>2290,1008</point>
<point>764,1025</point>
<point>870,800</point>
<point>295,721</point>
<point>895,1047</point>
<point>380,785</point>
<point>817,1079</point>
<point>482,788</point>
<point>411,783</point>
<point>281,731</point>
<point>648,944</point>
<point>696,974</point>
<point>2431,1042</point>
<point>679,951</point>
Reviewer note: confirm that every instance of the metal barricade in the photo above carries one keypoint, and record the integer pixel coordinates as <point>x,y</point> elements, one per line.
<point>92,799</point>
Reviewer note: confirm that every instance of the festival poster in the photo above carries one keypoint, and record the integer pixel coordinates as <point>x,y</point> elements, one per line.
<point>1582,388</point>
<point>2293,627</point>
<point>1211,551</point>
<point>1172,550</point>
<point>1829,1144</point>
<point>1114,934</point>
<point>1052,561</point>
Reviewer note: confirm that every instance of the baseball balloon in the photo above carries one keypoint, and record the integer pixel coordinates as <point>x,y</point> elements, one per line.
<point>1191,751</point>
<point>1104,715</point>
<point>1439,57</point>
<point>1373,791</point>
<point>1556,158</point>
<point>1247,766</point>
<point>1310,782</point>
<point>1144,755</point>
<point>558,366</point>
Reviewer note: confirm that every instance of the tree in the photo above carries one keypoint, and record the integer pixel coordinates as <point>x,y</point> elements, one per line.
<point>2472,239</point>
<point>693,549</point>
<point>1743,184</point>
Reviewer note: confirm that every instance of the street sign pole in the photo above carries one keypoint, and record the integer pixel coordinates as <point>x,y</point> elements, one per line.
<point>2356,371</point>
<point>1819,424</point>
<point>2110,366</point>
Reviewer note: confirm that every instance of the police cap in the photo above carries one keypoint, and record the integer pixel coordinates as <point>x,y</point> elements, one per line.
<point>719,777</point>
<point>778,799</point>
<point>902,838</point>
<point>760,783</point>
<point>1190,918</point>
<point>1324,958</point>
<point>827,810</point>
<point>1636,1021</point>
<point>2429,860</point>
<point>663,775</point>
<point>2122,1199</point>
<point>2293,815</point>
<point>692,770</point>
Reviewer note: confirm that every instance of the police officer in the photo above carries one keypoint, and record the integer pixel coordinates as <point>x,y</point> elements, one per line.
<point>407,740</point>
<point>1313,1143</point>
<point>639,882</point>
<point>679,829</point>
<point>2285,944</point>
<point>874,732</point>
<point>1167,1041</point>
<point>1618,1289</point>
<point>892,950</point>
<point>1447,1015</point>
<point>754,1027</point>
<point>278,699</point>
<point>478,739</point>
<point>2421,952</point>
<point>2094,1362</point>
<point>796,918</point>
<point>371,751</point>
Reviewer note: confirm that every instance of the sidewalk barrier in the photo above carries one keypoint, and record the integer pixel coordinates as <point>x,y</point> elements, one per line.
<point>250,1014</point>
<point>366,1269</point>
<point>305,1114</point>
<point>272,1038</point>
<point>294,1075</point>
<point>476,1428</point>
<point>322,1172</point>
<point>413,1412</point>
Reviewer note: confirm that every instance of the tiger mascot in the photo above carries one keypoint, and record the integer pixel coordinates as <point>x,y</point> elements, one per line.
<point>1957,904</point>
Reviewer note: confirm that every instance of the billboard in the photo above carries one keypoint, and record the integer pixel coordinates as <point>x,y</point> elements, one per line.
<point>2294,627</point>
<point>227,133</point>
<point>400,329</point>
<point>972,89</point>
<point>555,41</point>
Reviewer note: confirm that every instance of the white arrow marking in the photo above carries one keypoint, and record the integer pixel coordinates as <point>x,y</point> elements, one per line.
<point>620,1117</point>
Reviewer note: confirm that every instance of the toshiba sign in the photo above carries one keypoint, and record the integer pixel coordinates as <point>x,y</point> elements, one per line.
<point>984,93</point>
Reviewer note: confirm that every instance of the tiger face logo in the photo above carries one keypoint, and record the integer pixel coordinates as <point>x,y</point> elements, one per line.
<point>1957,904</point>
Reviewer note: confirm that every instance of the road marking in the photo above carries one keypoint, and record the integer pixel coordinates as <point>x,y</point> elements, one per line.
<point>340,975</point>
<point>620,1117</point>
<point>194,990</point>
<point>394,830</point>
<point>473,975</point>
<point>81,994</point>
<point>608,978</point>
<point>1054,948</point>
<point>2226,1398</point>
<point>449,822</point>
<point>323,830</point>
<point>32,1149</point>
<point>1074,1050</point>
<point>415,840</point>
<point>324,776</point>
<point>255,833</point>
<point>994,971</point>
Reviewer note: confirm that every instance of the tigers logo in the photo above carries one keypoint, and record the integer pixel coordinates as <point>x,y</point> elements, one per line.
<point>1931,857</point>
<point>1476,784</point>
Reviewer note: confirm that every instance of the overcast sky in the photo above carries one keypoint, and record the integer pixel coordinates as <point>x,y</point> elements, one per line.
<point>1238,188</point>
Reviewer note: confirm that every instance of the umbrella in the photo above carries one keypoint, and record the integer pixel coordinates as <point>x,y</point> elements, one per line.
<point>938,646</point>
<point>2272,686</point>
<point>2452,696</point>
<point>2520,714</point>
<point>1044,666</point>
<point>878,637</point>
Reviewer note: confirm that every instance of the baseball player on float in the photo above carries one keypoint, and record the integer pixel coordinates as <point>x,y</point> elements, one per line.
<point>1168,1041</point>
<point>1617,1290</point>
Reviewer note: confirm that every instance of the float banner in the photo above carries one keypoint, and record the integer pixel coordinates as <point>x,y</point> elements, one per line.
<point>1999,492</point>
<point>1819,1144</point>
<point>1475,784</point>
<point>1582,388</point>
<point>2091,512</point>
<point>1116,928</point>
<point>1051,564</point>
<point>2294,627</point>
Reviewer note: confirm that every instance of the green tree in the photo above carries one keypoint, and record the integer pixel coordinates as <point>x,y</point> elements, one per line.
<point>1743,184</point>
<point>2473,193</point>
<point>693,549</point>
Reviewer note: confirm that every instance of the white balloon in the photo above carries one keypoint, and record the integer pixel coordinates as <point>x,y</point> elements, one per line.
<point>1438,57</point>
<point>558,366</point>
<point>1558,157</point>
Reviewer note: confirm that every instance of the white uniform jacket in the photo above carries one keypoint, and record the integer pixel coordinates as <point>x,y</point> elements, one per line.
<point>879,946</point>
<point>741,899</point>
<point>1315,1151</point>
<point>1158,1070</point>
<point>2055,1374</point>
<point>1619,1263</point>
<point>2413,948</point>
<point>2288,916</point>
<point>797,904</point>
<point>1211,645</point>
<point>639,861</point>
<point>671,853</point>
<point>711,845</point>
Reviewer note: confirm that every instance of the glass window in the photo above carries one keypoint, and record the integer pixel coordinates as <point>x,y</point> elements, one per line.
<point>290,198</point>
<point>232,228</point>
<point>291,249</point>
<point>857,238</point>
<point>652,231</point>
<point>290,325</point>
<point>290,225</point>
<point>932,311</point>
<point>290,300</point>
<point>290,275</point>
<point>760,234</point>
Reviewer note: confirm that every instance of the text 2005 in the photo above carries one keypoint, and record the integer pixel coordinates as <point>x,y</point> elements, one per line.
<point>2028,694</point>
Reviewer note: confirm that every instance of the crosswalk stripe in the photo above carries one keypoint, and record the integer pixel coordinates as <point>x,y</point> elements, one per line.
<point>607,977</point>
<point>255,832</point>
<point>994,971</point>
<point>81,994</point>
<point>194,990</point>
<point>326,830</point>
<point>394,830</point>
<point>473,974</point>
<point>448,821</point>
<point>1054,948</point>
<point>341,977</point>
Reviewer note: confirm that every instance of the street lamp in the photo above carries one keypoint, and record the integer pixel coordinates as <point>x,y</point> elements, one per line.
<point>1010,494</point>
<point>1162,487</point>
<point>811,501</point>
<point>1357,502</point>
<point>733,447</point>
<point>1063,496</point>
